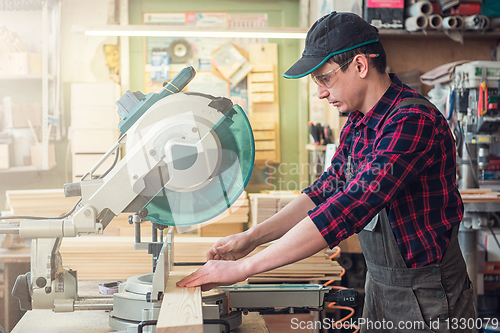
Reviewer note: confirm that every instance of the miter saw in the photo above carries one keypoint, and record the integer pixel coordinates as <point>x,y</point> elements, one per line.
<point>188,158</point>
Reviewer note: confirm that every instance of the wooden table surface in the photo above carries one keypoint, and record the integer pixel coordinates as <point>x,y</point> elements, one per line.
<point>46,321</point>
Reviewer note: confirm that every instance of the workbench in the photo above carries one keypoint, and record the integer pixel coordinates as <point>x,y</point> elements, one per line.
<point>97,321</point>
<point>46,321</point>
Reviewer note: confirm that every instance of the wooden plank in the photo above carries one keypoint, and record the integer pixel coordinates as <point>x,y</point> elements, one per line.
<point>263,126</point>
<point>264,135</point>
<point>262,77</point>
<point>181,308</point>
<point>475,190</point>
<point>221,229</point>
<point>265,145</point>
<point>263,97</point>
<point>263,87</point>
<point>262,67</point>
<point>265,155</point>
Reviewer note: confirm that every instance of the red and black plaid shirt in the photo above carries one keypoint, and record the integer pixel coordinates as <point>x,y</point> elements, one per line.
<point>406,164</point>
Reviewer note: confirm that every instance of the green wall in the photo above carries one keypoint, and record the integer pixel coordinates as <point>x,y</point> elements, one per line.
<point>281,13</point>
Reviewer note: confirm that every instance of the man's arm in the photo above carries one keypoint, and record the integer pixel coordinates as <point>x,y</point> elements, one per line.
<point>277,225</point>
<point>302,241</point>
<point>237,246</point>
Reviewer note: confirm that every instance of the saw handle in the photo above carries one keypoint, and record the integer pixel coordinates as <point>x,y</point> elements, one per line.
<point>178,83</point>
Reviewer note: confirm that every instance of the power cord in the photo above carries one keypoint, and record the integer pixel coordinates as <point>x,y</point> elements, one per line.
<point>333,306</point>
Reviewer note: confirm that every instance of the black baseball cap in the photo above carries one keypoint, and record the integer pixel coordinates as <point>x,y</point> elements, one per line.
<point>330,35</point>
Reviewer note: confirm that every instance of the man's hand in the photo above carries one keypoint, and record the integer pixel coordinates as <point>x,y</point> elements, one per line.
<point>232,247</point>
<point>216,273</point>
<point>300,242</point>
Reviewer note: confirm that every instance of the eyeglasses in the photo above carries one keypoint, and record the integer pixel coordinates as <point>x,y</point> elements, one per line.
<point>326,79</point>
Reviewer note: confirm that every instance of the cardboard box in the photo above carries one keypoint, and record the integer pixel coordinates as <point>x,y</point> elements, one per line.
<point>37,155</point>
<point>385,14</point>
<point>92,140</point>
<point>103,117</point>
<point>82,163</point>
<point>94,95</point>
<point>4,156</point>
<point>20,63</point>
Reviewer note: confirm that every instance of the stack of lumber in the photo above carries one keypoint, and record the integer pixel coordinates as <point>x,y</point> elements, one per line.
<point>192,249</point>
<point>316,267</point>
<point>230,222</point>
<point>105,258</point>
<point>102,258</point>
<point>50,203</point>
<point>53,203</point>
<point>479,195</point>
<point>265,205</point>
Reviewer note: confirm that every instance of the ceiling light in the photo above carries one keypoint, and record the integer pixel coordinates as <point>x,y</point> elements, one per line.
<point>176,31</point>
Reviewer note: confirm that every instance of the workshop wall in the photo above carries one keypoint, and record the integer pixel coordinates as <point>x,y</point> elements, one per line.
<point>280,13</point>
<point>83,61</point>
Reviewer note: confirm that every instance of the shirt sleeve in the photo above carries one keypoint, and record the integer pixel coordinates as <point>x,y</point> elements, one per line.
<point>405,149</point>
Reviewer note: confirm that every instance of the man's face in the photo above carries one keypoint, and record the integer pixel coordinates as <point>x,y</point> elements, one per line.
<point>337,85</point>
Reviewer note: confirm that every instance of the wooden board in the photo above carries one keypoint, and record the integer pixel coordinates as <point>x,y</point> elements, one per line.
<point>263,205</point>
<point>181,308</point>
<point>48,202</point>
<point>475,191</point>
<point>479,195</point>
<point>221,229</point>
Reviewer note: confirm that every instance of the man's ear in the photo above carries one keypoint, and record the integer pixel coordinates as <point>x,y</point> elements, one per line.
<point>361,63</point>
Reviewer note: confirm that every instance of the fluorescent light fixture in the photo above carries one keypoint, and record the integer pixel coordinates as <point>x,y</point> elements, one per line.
<point>182,31</point>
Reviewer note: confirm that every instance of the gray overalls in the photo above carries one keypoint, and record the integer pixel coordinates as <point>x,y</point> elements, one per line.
<point>433,298</point>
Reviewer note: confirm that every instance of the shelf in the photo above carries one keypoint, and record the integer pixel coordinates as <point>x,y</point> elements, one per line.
<point>29,168</point>
<point>24,77</point>
<point>438,33</point>
<point>21,77</point>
